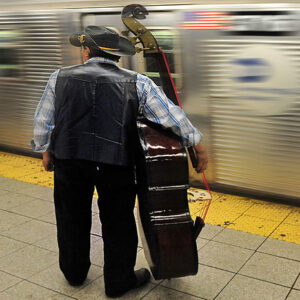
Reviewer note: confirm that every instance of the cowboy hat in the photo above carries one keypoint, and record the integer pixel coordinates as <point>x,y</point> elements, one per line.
<point>103,38</point>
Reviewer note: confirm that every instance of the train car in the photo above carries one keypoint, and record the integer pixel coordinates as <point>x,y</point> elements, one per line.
<point>235,64</point>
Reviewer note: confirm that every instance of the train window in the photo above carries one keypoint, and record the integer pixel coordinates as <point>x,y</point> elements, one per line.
<point>168,42</point>
<point>8,68</point>
<point>8,54</point>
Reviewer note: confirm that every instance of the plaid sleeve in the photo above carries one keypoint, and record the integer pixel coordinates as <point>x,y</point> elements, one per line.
<point>156,107</point>
<point>44,117</point>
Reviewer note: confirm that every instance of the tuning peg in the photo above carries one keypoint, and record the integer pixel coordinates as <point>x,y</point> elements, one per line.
<point>125,32</point>
<point>138,49</point>
<point>140,30</point>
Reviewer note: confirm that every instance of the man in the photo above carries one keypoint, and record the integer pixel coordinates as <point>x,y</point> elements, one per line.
<point>85,125</point>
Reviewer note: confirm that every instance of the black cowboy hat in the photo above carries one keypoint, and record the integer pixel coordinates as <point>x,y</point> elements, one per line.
<point>103,38</point>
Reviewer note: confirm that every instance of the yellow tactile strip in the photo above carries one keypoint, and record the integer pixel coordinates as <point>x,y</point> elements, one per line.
<point>275,220</point>
<point>264,218</point>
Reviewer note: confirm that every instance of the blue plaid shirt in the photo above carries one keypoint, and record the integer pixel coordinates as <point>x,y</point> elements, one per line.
<point>153,105</point>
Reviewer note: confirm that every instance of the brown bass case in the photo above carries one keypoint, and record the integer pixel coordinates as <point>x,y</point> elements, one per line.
<point>165,224</point>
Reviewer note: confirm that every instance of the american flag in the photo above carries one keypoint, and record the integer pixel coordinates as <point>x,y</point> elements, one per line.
<point>205,20</point>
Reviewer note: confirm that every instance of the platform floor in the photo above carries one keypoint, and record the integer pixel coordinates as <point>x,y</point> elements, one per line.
<point>249,249</point>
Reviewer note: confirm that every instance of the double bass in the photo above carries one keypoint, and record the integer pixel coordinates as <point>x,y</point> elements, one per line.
<point>166,228</point>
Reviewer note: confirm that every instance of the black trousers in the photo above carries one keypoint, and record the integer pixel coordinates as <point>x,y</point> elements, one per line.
<point>74,182</point>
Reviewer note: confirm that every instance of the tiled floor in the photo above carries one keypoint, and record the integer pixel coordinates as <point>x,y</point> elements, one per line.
<point>232,264</point>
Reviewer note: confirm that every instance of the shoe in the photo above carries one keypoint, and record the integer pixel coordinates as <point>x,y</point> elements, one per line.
<point>76,283</point>
<point>142,277</point>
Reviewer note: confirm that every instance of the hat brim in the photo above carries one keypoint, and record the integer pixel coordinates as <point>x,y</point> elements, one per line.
<point>125,48</point>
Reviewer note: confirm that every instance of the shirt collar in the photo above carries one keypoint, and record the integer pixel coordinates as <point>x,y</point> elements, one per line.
<point>101,60</point>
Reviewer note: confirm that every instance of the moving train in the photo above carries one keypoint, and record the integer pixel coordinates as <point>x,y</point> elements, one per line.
<point>236,67</point>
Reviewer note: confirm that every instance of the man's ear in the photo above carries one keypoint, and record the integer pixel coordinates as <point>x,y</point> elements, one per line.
<point>85,53</point>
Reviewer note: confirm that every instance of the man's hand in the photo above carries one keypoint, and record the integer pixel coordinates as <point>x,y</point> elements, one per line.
<point>48,162</point>
<point>202,158</point>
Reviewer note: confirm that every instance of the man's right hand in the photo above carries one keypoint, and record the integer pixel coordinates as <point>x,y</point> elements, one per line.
<point>202,158</point>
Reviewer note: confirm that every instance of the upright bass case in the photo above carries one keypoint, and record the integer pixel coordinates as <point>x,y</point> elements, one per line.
<point>167,230</point>
<point>165,224</point>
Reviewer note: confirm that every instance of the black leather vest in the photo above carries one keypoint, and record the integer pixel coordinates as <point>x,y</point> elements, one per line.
<point>96,109</point>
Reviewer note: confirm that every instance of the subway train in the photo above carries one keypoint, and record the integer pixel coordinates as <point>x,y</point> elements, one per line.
<point>236,67</point>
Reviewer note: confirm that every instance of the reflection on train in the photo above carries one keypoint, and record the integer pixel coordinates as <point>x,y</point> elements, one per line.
<point>236,68</point>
